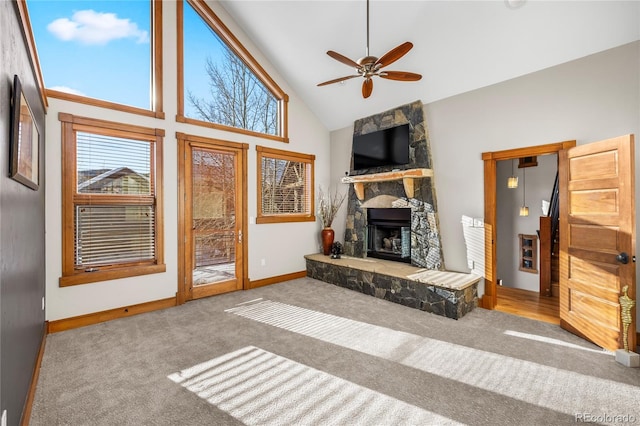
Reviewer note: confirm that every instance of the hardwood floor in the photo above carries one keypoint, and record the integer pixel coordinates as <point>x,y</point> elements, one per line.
<point>528,304</point>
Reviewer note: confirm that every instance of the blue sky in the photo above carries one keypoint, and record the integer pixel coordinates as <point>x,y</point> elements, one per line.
<point>102,49</point>
<point>200,42</point>
<point>99,49</point>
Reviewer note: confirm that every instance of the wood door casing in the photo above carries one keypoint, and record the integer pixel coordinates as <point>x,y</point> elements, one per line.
<point>186,291</point>
<point>597,219</point>
<point>489,299</point>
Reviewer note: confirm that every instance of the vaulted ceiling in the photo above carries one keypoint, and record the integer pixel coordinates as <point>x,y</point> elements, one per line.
<point>459,46</point>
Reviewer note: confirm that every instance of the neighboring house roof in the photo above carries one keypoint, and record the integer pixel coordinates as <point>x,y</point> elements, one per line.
<point>102,179</point>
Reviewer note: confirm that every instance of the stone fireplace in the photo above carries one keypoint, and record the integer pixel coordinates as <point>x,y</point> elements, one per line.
<point>392,215</point>
<point>394,190</point>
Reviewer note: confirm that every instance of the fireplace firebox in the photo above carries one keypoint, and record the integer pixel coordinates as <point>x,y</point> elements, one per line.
<point>389,234</point>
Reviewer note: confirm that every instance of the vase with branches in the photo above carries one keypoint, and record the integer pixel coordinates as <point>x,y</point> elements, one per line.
<point>328,206</point>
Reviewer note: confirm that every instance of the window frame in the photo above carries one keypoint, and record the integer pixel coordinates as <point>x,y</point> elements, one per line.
<point>309,160</point>
<point>156,94</point>
<point>232,42</point>
<point>71,124</point>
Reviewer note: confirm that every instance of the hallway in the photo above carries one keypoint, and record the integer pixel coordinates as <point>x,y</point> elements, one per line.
<point>528,304</point>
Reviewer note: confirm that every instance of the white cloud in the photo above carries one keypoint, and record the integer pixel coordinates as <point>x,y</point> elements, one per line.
<point>91,27</point>
<point>66,89</point>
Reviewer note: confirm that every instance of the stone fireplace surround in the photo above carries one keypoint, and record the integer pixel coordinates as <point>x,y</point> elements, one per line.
<point>424,284</point>
<point>426,249</point>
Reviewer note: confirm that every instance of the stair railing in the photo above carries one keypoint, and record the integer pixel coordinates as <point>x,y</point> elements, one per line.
<point>554,211</point>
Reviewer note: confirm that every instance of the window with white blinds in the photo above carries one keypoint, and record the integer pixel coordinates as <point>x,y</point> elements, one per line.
<point>110,199</point>
<point>109,235</point>
<point>286,186</point>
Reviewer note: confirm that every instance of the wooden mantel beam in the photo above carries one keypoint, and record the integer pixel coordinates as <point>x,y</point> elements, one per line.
<point>407,177</point>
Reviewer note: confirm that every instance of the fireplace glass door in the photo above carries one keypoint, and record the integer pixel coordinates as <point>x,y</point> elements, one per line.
<point>389,234</point>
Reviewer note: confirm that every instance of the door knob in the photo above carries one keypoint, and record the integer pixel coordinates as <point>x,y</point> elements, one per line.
<point>623,258</point>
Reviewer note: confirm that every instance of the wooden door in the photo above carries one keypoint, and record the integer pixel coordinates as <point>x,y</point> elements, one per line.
<point>212,215</point>
<point>597,220</point>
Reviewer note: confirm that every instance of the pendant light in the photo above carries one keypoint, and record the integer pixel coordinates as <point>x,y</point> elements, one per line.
<point>512,182</point>
<point>524,210</point>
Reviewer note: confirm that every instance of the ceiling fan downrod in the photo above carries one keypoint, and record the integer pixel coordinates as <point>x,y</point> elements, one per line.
<point>367,50</point>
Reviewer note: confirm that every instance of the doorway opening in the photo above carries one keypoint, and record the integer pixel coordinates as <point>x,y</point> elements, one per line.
<point>523,302</point>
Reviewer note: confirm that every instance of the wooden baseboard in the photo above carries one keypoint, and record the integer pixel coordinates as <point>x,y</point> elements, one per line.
<point>26,413</point>
<point>111,314</point>
<point>127,311</point>
<point>276,279</point>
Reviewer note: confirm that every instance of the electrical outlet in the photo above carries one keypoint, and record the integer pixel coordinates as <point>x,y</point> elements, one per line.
<point>4,417</point>
<point>263,262</point>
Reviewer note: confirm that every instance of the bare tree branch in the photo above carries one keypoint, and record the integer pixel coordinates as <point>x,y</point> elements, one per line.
<point>236,97</point>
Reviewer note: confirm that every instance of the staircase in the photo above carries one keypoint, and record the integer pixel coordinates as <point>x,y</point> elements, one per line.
<point>550,246</point>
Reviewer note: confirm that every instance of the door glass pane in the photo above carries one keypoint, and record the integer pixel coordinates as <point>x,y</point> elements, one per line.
<point>214,216</point>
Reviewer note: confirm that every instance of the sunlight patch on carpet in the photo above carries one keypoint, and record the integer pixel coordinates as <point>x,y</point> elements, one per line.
<point>561,390</point>
<point>261,388</point>
<point>545,339</point>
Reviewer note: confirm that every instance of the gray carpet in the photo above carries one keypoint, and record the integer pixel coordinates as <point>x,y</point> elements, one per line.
<point>309,353</point>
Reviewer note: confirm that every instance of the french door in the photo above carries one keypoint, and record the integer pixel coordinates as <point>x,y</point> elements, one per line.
<point>212,230</point>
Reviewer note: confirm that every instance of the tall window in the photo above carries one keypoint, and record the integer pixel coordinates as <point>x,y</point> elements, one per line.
<point>222,85</point>
<point>285,186</point>
<point>112,210</point>
<point>106,53</point>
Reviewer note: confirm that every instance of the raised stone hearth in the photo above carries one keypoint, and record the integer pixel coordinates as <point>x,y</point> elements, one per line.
<point>450,294</point>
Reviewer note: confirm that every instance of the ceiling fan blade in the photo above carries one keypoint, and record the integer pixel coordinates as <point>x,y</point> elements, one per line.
<point>400,75</point>
<point>343,59</point>
<point>337,80</point>
<point>394,54</point>
<point>367,88</point>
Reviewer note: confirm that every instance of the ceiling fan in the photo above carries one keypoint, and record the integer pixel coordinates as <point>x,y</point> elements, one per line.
<point>370,66</point>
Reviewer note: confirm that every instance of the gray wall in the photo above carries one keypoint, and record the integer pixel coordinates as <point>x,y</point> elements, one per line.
<point>587,100</point>
<point>21,231</point>
<point>539,183</point>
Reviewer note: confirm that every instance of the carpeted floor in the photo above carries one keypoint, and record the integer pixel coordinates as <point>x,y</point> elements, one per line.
<point>309,353</point>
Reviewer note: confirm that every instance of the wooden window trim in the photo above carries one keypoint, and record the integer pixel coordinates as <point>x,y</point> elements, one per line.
<point>156,100</point>
<point>70,125</point>
<point>236,46</point>
<point>292,156</point>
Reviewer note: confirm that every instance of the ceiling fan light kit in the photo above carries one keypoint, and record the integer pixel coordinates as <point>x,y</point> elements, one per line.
<point>371,66</point>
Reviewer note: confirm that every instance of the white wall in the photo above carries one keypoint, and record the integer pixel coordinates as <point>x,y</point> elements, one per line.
<point>282,246</point>
<point>587,100</point>
<point>340,164</point>
<point>539,184</point>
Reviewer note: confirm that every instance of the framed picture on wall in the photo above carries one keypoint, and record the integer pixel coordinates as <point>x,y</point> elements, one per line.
<point>24,140</point>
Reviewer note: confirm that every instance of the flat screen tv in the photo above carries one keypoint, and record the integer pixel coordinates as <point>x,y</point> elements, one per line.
<point>387,147</point>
